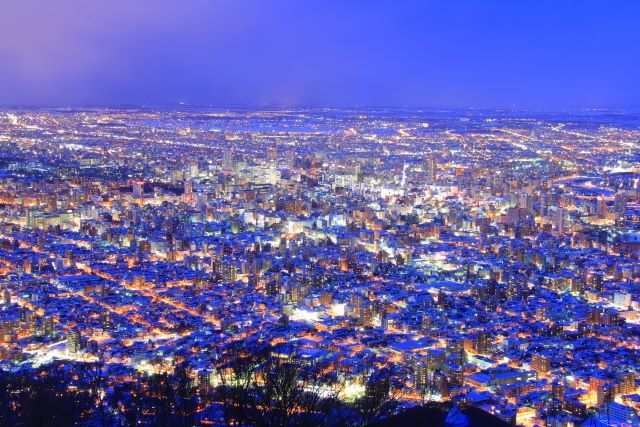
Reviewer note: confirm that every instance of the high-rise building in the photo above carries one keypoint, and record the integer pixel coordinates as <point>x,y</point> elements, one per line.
<point>432,169</point>
<point>187,196</point>
<point>272,153</point>
<point>227,160</point>
<point>73,341</point>
<point>558,220</point>
<point>557,390</point>
<point>620,204</point>
<point>435,359</point>
<point>138,189</point>
<point>201,201</point>
<point>540,363</point>
<point>622,299</point>
<point>626,383</point>
<point>602,207</point>
<point>420,373</point>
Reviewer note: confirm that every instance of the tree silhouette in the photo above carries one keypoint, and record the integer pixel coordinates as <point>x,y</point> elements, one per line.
<point>378,402</point>
<point>43,398</point>
<point>236,372</point>
<point>261,389</point>
<point>98,383</point>
<point>184,395</point>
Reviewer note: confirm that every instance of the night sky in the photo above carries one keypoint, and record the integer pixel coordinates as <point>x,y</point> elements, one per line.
<point>483,54</point>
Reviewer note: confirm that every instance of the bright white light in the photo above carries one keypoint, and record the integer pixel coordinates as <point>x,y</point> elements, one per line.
<point>352,391</point>
<point>337,309</point>
<point>305,315</point>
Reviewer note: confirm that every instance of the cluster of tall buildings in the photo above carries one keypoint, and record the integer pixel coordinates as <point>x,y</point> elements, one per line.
<point>483,257</point>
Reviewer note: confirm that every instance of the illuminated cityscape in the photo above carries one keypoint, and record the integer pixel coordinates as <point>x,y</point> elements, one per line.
<point>487,258</point>
<point>336,213</point>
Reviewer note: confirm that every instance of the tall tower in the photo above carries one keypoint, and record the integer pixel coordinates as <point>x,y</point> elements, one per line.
<point>432,169</point>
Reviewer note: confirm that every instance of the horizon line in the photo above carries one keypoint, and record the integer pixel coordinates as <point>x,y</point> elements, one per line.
<point>283,107</point>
